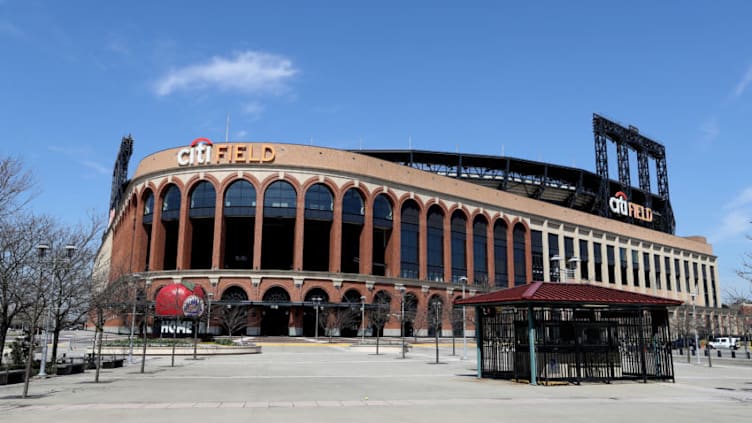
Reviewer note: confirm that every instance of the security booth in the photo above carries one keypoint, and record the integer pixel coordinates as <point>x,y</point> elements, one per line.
<point>564,332</point>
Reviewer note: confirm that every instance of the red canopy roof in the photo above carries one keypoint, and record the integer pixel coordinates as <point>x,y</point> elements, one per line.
<point>567,293</point>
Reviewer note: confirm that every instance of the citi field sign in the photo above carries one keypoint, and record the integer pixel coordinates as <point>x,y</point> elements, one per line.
<point>620,205</point>
<point>203,152</point>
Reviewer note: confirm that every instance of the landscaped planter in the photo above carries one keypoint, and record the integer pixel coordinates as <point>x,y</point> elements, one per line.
<point>12,376</point>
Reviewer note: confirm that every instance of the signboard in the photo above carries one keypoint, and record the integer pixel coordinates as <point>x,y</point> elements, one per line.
<point>619,204</point>
<point>202,152</point>
<point>193,306</point>
<point>183,327</point>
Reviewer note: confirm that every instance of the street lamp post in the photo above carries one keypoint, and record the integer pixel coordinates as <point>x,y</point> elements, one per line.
<point>42,252</point>
<point>402,318</point>
<point>316,302</point>
<point>464,281</point>
<point>693,294</point>
<point>208,313</point>
<point>363,319</point>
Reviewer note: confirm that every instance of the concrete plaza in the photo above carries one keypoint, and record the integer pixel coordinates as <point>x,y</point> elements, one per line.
<point>308,381</point>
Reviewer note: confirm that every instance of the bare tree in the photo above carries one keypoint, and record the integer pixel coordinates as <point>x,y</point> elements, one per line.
<point>334,319</point>
<point>108,300</point>
<point>15,187</point>
<point>232,317</point>
<point>380,314</point>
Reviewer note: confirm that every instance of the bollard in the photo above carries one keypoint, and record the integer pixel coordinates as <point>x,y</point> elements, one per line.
<point>706,352</point>
<point>733,354</point>
<point>694,351</point>
<point>748,355</point>
<point>681,351</point>
<point>719,353</point>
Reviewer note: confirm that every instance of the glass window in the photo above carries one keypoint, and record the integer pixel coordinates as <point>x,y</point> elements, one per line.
<point>171,203</point>
<point>459,240</point>
<point>635,268</point>
<point>667,265</point>
<point>554,257</point>
<point>240,199</point>
<point>646,270</point>
<point>705,285</point>
<point>280,200</point>
<point>520,264</point>
<point>435,244</point>
<point>598,261</point>
<point>382,212</point>
<point>319,203</point>
<point>480,257</point>
<point>148,207</point>
<point>623,259</point>
<point>501,277</point>
<point>713,286</point>
<point>677,275</point>
<point>352,207</point>
<point>536,249</point>
<point>611,263</point>
<point>657,270</point>
<point>203,200</point>
<point>584,259</point>
<point>409,237</point>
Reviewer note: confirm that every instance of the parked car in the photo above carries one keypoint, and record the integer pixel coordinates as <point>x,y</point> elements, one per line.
<point>724,342</point>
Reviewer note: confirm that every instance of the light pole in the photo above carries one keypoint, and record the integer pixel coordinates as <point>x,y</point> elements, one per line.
<point>363,319</point>
<point>693,294</point>
<point>402,318</point>
<point>42,252</point>
<point>464,281</point>
<point>208,313</point>
<point>134,277</point>
<point>316,302</point>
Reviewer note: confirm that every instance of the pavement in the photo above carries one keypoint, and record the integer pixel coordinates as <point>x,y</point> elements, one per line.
<point>316,381</point>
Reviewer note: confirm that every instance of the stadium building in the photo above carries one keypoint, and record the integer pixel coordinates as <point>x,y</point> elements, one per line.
<point>283,230</point>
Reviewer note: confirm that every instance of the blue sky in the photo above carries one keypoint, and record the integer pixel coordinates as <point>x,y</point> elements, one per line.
<point>483,77</point>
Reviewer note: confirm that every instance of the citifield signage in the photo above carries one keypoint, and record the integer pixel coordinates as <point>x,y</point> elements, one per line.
<point>621,206</point>
<point>202,152</point>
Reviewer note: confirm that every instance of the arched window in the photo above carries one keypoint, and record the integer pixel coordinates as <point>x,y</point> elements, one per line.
<point>409,240</point>
<point>278,232</point>
<point>382,212</point>
<point>520,264</point>
<point>234,294</point>
<point>203,200</point>
<point>459,240</point>
<point>318,202</point>
<point>480,262</point>
<point>201,216</point>
<point>276,294</point>
<point>352,207</point>
<point>171,203</point>
<point>435,244</point>
<point>148,207</point>
<point>240,199</point>
<point>319,293</point>
<point>382,234</point>
<point>501,277</point>
<point>280,200</point>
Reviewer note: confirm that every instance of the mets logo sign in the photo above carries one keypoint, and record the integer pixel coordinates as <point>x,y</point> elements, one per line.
<point>620,205</point>
<point>193,306</point>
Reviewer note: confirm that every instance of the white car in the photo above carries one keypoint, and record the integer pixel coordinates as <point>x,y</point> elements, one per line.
<point>724,342</point>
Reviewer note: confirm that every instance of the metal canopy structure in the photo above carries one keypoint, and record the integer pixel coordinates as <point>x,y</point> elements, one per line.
<point>561,185</point>
<point>558,332</point>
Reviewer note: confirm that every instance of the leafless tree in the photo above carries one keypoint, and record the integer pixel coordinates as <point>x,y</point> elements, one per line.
<point>15,187</point>
<point>232,317</point>
<point>108,300</point>
<point>334,319</point>
<point>379,315</point>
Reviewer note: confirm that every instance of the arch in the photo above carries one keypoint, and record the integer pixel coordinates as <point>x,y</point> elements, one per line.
<point>383,216</point>
<point>519,236</point>
<point>352,296</point>
<point>202,201</point>
<point>410,240</point>
<point>275,316</point>
<point>233,311</point>
<point>316,309</point>
<point>278,232</point>
<point>435,313</point>
<point>317,292</point>
<point>234,293</point>
<point>435,243</point>
<point>147,220</point>
<point>480,250</point>
<point>317,228</point>
<point>458,231</point>
<point>501,253</point>
<point>239,226</point>
<point>353,211</point>
<point>169,225</point>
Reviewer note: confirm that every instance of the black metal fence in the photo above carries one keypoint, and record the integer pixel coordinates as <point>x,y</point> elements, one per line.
<point>576,344</point>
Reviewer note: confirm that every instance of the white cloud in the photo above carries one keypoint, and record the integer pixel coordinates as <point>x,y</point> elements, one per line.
<point>249,72</point>
<point>742,85</point>
<point>253,109</point>
<point>736,219</point>
<point>240,134</point>
<point>95,166</point>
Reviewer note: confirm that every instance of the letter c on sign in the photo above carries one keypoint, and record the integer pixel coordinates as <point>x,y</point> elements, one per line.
<point>613,204</point>
<point>184,157</point>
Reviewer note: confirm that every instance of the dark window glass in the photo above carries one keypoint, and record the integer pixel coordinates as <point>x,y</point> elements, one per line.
<point>435,244</point>
<point>598,261</point>
<point>480,256</point>
<point>409,236</point>
<point>686,276</point>
<point>203,200</point>
<point>713,286</point>
<point>646,272</point>
<point>623,259</point>
<point>240,199</point>
<point>280,200</point>
<point>382,212</point>
<point>635,268</point>
<point>520,267</point>
<point>319,203</point>
<point>501,277</point>
<point>697,278</point>
<point>171,204</point>
<point>667,265</point>
<point>677,275</point>
<point>459,243</point>
<point>705,285</point>
<point>148,207</point>
<point>611,263</point>
<point>554,257</point>
<point>536,249</point>
<point>352,207</point>
<point>584,258</point>
<point>657,270</point>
